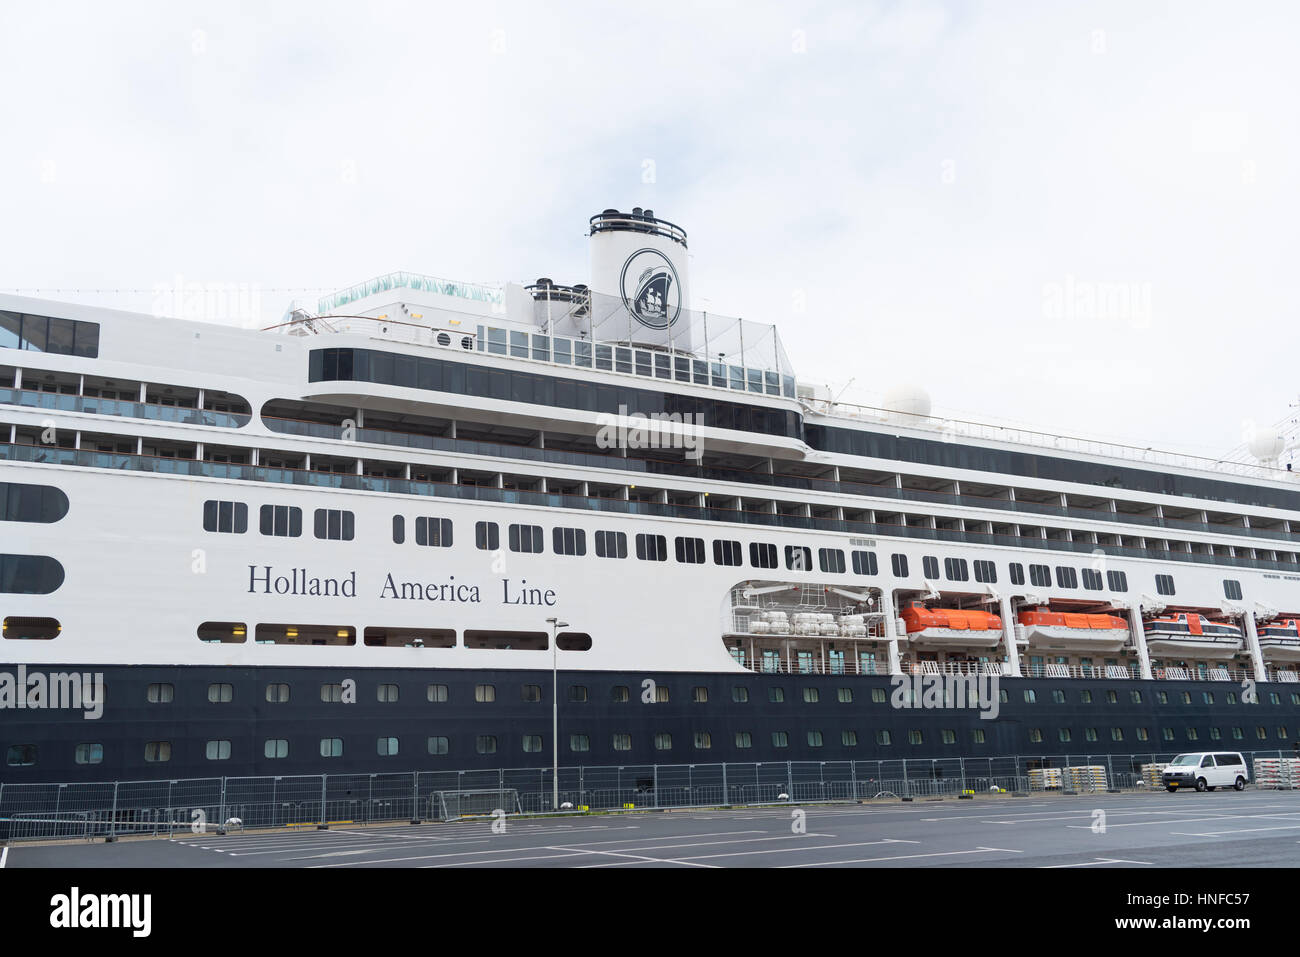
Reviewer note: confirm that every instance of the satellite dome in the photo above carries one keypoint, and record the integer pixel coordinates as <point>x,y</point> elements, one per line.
<point>1267,444</point>
<point>907,402</point>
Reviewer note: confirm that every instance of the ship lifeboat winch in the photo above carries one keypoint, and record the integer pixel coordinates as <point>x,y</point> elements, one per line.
<point>951,626</point>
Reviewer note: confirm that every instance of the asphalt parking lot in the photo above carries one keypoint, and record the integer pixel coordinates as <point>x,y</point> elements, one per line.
<point>1149,830</point>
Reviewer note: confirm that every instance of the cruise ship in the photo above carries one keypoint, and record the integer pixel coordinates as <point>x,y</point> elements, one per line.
<point>369,537</point>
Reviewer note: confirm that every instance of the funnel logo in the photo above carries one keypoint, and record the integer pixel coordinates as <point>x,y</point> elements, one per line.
<point>650,289</point>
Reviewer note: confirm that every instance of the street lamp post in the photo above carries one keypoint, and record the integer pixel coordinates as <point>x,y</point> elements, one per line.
<point>556,625</point>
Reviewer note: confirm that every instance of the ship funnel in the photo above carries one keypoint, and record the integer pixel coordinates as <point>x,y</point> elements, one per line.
<point>639,269</point>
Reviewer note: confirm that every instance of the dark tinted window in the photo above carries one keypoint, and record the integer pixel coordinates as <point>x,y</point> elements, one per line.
<point>29,574</point>
<point>31,503</point>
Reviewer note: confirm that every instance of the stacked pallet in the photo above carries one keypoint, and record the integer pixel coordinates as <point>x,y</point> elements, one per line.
<point>1277,773</point>
<point>1045,779</point>
<point>1090,777</point>
<point>1151,774</point>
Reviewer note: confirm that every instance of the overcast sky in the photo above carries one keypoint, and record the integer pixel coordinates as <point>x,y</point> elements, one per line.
<point>1077,215</point>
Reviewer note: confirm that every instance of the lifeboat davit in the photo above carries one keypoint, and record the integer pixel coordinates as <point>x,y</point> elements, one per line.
<point>1188,631</point>
<point>956,626</point>
<point>1045,627</point>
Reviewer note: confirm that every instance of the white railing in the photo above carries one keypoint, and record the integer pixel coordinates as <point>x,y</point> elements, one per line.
<point>954,428</point>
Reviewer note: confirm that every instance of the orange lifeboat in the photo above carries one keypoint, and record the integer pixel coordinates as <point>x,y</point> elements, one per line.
<point>1055,628</point>
<point>958,626</point>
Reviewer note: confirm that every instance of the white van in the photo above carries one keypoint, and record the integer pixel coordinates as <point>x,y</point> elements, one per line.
<point>1206,770</point>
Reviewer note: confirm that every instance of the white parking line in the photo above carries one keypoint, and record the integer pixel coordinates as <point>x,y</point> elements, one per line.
<point>4,856</point>
<point>906,857</point>
<point>1094,863</point>
<point>1240,830</point>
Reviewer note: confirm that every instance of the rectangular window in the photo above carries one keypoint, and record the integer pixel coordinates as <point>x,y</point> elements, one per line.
<point>762,555</point>
<point>434,532</point>
<point>49,334</point>
<point>158,751</point>
<point>579,742</point>
<point>703,741</point>
<point>726,552</point>
<point>663,741</point>
<point>849,739</point>
<point>1118,581</point>
<point>1040,576</point>
<point>814,739</point>
<point>388,693</point>
<point>485,694</point>
<point>217,750</point>
<point>221,693</point>
<point>1066,577</point>
<point>1017,571</point>
<point>986,572</point>
<point>864,563</point>
<point>160,693</point>
<point>739,694</point>
<point>1165,584</point>
<point>690,551</point>
<point>652,548</point>
<point>899,565</point>
<point>930,567</point>
<point>225,517</point>
<point>436,694</point>
<point>526,538</point>
<point>1232,589</point>
<point>780,739</point>
<point>89,754</point>
<point>611,545</point>
<point>1092,579</point>
<point>700,694</point>
<point>798,558</point>
<point>282,521</point>
<point>831,560</point>
<point>334,524</point>
<point>622,742</point>
<point>487,536</point>
<point>568,541</point>
<point>437,745</point>
<point>399,529</point>
<point>955,569</point>
<point>744,740</point>
<point>387,747</point>
<point>486,744</point>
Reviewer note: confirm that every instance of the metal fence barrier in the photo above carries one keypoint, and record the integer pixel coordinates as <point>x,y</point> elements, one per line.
<point>123,808</point>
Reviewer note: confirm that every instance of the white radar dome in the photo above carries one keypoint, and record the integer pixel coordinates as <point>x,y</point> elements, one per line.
<point>909,401</point>
<point>1267,445</point>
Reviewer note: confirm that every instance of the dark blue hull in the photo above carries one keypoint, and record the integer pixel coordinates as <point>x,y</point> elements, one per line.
<point>844,722</point>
